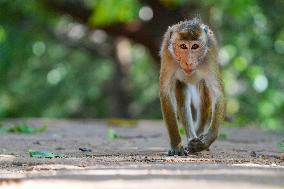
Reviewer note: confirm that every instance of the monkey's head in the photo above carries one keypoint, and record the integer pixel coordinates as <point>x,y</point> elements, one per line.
<point>189,43</point>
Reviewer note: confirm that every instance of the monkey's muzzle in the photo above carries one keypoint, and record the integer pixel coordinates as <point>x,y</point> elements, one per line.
<point>188,71</point>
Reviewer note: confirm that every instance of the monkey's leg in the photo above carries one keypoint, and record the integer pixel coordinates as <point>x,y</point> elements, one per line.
<point>205,140</point>
<point>184,110</point>
<point>171,123</point>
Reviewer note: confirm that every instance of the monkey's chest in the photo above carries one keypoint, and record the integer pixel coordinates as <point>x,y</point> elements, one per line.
<point>190,88</point>
<point>192,96</point>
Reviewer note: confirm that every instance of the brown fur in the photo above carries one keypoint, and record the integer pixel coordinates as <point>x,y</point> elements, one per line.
<point>173,90</point>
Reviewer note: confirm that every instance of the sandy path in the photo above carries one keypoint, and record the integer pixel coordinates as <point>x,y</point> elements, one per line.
<point>248,158</point>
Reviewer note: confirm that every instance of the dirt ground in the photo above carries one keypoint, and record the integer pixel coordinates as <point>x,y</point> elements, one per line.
<point>247,158</point>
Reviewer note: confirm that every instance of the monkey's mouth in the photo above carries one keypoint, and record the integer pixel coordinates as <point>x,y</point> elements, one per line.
<point>188,71</point>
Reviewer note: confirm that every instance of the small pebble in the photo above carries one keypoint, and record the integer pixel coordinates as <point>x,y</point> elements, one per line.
<point>85,149</point>
<point>252,154</point>
<point>59,148</point>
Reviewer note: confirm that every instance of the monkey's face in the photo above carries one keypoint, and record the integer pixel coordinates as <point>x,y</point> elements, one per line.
<point>189,52</point>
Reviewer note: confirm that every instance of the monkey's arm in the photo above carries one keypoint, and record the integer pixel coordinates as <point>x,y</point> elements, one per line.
<point>218,112</point>
<point>168,100</point>
<point>184,110</point>
<point>217,102</point>
<point>204,141</point>
<point>218,108</point>
<point>171,123</point>
<point>205,108</point>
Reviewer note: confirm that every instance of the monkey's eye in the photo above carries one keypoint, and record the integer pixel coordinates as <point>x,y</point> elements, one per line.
<point>183,46</point>
<point>194,46</point>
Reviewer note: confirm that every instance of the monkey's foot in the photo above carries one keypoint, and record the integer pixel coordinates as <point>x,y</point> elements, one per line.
<point>177,152</point>
<point>198,144</point>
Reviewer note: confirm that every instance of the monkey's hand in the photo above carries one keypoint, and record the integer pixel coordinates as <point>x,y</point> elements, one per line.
<point>199,144</point>
<point>179,152</point>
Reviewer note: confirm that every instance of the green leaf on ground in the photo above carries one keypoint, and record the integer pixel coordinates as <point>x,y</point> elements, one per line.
<point>24,128</point>
<point>280,146</point>
<point>3,129</point>
<point>111,134</point>
<point>181,131</point>
<point>222,136</point>
<point>45,154</point>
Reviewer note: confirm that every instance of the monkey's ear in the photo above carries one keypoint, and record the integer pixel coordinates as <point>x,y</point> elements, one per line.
<point>206,29</point>
<point>170,34</point>
<point>170,31</point>
<point>170,44</point>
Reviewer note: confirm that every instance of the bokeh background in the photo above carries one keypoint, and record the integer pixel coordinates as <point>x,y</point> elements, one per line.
<point>99,58</point>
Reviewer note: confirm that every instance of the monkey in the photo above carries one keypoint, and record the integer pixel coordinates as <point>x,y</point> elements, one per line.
<point>191,86</point>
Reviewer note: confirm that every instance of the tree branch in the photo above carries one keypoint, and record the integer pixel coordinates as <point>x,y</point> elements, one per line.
<point>147,33</point>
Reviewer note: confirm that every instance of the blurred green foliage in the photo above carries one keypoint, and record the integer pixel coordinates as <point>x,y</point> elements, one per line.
<point>222,136</point>
<point>41,76</point>
<point>110,11</point>
<point>111,134</point>
<point>24,128</point>
<point>181,131</point>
